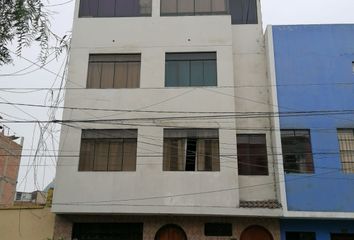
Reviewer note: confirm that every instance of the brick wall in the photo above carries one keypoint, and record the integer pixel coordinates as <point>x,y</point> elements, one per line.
<point>10,158</point>
<point>193,226</point>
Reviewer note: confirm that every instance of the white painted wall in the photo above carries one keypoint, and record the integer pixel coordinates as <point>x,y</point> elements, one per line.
<point>240,61</point>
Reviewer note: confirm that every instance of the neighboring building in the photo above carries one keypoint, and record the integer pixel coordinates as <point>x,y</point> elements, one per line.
<point>10,158</point>
<point>26,222</point>
<point>169,92</point>
<point>314,76</point>
<point>31,198</point>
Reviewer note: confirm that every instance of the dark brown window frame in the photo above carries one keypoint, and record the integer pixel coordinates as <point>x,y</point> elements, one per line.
<point>189,157</point>
<point>117,83</point>
<point>194,12</point>
<point>309,163</point>
<point>252,166</point>
<point>127,139</point>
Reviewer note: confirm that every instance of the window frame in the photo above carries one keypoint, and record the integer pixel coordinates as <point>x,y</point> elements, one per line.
<point>194,12</point>
<point>115,15</point>
<point>91,61</point>
<point>189,58</point>
<point>253,172</point>
<point>342,153</point>
<point>214,160</point>
<point>108,139</point>
<point>311,164</point>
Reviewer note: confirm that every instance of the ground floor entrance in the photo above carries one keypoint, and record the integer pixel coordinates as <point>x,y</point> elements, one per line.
<point>79,227</point>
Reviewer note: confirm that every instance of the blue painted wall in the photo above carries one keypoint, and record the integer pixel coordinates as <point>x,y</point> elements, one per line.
<point>323,229</point>
<point>310,61</point>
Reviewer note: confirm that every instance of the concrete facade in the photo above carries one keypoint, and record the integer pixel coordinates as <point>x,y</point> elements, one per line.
<point>311,70</point>
<point>314,72</point>
<point>240,61</point>
<point>10,157</point>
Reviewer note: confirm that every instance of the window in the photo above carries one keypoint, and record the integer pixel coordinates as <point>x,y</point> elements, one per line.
<point>252,154</point>
<point>243,11</point>
<point>300,236</point>
<point>193,7</point>
<point>190,69</point>
<point>114,8</point>
<point>297,151</point>
<point>353,67</point>
<point>114,71</point>
<point>191,150</point>
<point>218,229</point>
<point>109,231</point>
<point>346,145</point>
<point>108,150</point>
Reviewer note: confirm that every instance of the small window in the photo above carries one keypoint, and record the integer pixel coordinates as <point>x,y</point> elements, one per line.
<point>353,67</point>
<point>243,11</point>
<point>193,7</point>
<point>114,71</point>
<point>191,150</point>
<point>218,229</point>
<point>300,235</point>
<point>115,8</point>
<point>252,154</point>
<point>190,69</point>
<point>108,150</point>
<point>297,151</point>
<point>346,145</point>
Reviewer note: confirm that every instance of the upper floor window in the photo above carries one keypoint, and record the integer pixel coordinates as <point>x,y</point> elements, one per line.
<point>218,229</point>
<point>191,150</point>
<point>252,154</point>
<point>190,69</point>
<point>346,145</point>
<point>193,7</point>
<point>243,11</point>
<point>108,150</point>
<point>115,8</point>
<point>114,71</point>
<point>297,151</point>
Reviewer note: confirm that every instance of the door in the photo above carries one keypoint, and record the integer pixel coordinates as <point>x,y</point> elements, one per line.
<point>170,232</point>
<point>342,236</point>
<point>256,233</point>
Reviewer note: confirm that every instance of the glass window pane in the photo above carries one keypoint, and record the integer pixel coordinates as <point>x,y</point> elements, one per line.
<point>168,7</point>
<point>87,150</point>
<point>171,77</point>
<point>101,156</point>
<point>127,8</point>
<point>183,73</point>
<point>107,75</point>
<point>94,75</point>
<point>133,75</point>
<point>129,154</point>
<point>197,73</point>
<point>243,11</point>
<point>145,7</point>
<point>115,160</point>
<point>219,6</point>
<point>106,8</point>
<point>121,75</point>
<point>88,8</point>
<point>202,6</point>
<point>210,73</point>
<point>185,6</point>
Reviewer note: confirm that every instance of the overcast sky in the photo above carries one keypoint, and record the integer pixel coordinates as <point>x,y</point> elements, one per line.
<point>38,175</point>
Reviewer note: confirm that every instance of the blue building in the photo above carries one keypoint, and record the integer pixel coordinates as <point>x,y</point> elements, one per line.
<point>314,75</point>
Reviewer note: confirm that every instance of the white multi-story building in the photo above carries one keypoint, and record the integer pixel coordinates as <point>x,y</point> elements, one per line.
<point>169,133</point>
